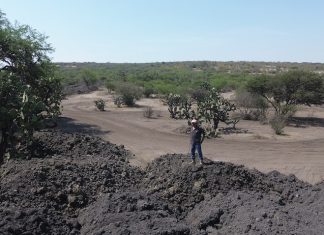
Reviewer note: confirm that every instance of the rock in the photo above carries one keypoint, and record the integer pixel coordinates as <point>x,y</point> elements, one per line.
<point>143,205</point>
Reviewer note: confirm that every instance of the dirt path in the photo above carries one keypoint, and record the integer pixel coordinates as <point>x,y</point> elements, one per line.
<point>150,138</point>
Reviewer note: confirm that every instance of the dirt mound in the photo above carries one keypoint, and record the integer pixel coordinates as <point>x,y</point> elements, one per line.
<point>174,179</point>
<point>44,195</point>
<point>224,198</point>
<point>176,197</point>
<point>77,184</point>
<point>132,212</point>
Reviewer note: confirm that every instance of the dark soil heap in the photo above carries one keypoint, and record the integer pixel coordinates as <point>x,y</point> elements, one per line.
<point>77,184</point>
<point>43,195</point>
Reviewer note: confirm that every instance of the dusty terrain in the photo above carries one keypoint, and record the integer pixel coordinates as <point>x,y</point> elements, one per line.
<point>72,183</point>
<point>298,152</point>
<point>79,184</point>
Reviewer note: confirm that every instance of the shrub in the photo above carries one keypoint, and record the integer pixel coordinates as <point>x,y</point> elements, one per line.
<point>162,87</point>
<point>110,85</point>
<point>100,104</point>
<point>289,110</point>
<point>148,112</point>
<point>129,93</point>
<point>251,106</point>
<point>89,77</point>
<point>234,119</point>
<point>148,91</point>
<point>118,101</point>
<point>278,123</point>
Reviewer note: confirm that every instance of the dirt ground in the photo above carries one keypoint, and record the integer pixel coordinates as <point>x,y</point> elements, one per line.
<point>71,183</point>
<point>298,152</point>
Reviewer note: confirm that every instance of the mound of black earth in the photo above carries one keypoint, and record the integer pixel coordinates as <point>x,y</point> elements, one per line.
<point>223,198</point>
<point>78,184</point>
<point>66,172</point>
<point>176,197</point>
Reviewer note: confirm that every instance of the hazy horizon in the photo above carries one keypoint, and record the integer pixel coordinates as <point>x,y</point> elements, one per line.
<point>144,31</point>
<point>184,61</point>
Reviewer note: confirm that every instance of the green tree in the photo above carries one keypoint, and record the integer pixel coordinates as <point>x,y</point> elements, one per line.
<point>289,89</point>
<point>89,77</point>
<point>148,91</point>
<point>29,90</point>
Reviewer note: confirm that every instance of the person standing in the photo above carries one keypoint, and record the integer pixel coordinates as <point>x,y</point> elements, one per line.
<point>197,137</point>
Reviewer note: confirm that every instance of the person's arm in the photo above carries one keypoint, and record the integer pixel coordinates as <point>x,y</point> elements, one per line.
<point>203,135</point>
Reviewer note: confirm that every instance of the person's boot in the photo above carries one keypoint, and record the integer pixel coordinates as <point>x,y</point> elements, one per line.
<point>193,162</point>
<point>201,162</point>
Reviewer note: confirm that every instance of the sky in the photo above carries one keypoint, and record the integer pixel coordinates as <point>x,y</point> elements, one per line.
<point>176,30</point>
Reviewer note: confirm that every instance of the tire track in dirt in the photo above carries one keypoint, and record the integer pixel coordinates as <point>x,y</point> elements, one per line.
<point>123,126</point>
<point>302,158</point>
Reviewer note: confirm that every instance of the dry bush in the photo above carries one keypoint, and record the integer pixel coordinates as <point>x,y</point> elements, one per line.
<point>251,106</point>
<point>278,123</point>
<point>289,110</point>
<point>118,101</point>
<point>148,112</point>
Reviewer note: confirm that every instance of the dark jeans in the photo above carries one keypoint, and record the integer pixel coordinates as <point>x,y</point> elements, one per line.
<point>193,151</point>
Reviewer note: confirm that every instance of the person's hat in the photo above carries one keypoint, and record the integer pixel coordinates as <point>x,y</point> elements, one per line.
<point>193,121</point>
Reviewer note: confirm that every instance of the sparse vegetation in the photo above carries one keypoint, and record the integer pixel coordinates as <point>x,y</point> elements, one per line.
<point>209,108</point>
<point>251,106</point>
<point>148,91</point>
<point>129,93</point>
<point>157,78</point>
<point>118,101</point>
<point>148,112</point>
<point>285,91</point>
<point>68,180</point>
<point>290,89</point>
<point>100,104</point>
<point>278,123</point>
<point>89,77</point>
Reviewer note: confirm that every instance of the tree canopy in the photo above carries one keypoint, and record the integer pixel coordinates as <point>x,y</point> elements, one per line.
<point>287,89</point>
<point>29,89</point>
